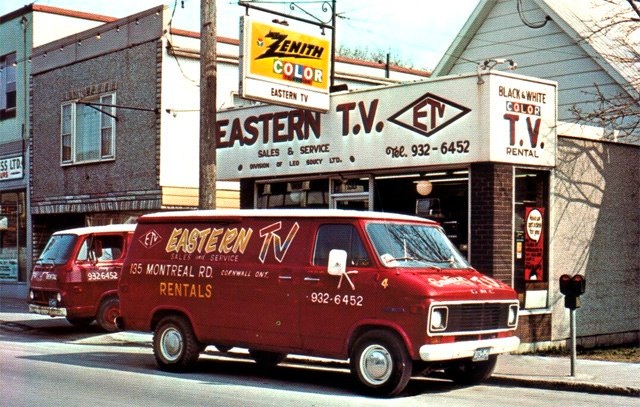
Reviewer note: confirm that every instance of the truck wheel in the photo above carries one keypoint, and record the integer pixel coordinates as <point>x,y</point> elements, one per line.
<point>380,363</point>
<point>266,359</point>
<point>175,347</point>
<point>107,313</point>
<point>469,372</point>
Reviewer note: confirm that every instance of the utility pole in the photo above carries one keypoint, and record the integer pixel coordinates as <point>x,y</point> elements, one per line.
<point>208,86</point>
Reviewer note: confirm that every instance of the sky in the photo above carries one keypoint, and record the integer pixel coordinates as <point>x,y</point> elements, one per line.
<point>415,32</point>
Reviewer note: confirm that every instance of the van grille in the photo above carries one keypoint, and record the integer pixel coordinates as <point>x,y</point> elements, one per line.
<point>481,317</point>
<point>42,297</point>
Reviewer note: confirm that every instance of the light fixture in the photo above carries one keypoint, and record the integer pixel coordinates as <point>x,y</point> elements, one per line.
<point>488,64</point>
<point>424,187</point>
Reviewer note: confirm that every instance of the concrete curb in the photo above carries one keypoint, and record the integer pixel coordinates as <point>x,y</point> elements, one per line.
<point>565,384</point>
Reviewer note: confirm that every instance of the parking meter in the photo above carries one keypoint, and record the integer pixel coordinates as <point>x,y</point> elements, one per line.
<point>572,288</point>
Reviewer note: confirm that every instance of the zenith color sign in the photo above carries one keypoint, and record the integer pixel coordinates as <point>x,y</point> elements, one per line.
<point>284,67</point>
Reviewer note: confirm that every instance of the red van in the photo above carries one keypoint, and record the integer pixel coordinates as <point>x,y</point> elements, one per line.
<point>388,292</point>
<point>77,275</point>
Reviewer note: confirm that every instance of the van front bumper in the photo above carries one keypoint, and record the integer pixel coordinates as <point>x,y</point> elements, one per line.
<point>467,349</point>
<point>51,311</point>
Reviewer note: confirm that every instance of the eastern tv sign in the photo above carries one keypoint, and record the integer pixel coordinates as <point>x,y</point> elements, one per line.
<point>284,67</point>
<point>451,120</point>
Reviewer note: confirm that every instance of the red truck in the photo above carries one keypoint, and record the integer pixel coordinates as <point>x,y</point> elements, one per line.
<point>77,275</point>
<point>388,292</point>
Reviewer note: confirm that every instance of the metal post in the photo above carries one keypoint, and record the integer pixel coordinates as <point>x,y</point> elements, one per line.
<point>208,87</point>
<point>572,317</point>
<point>332,75</point>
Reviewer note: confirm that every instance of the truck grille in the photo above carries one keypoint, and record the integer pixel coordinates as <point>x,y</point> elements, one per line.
<point>475,318</point>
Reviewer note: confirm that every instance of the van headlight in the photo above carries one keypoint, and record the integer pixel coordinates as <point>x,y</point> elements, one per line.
<point>438,319</point>
<point>513,315</point>
<point>31,295</point>
<point>59,297</point>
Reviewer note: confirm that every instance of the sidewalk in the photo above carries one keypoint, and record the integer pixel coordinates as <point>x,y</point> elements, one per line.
<point>546,372</point>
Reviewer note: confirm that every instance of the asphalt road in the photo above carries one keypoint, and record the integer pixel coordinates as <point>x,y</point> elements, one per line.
<point>54,364</point>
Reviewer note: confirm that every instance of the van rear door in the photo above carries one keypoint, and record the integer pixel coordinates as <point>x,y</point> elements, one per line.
<point>253,295</point>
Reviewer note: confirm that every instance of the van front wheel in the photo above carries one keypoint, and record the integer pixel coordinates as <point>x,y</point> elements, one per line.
<point>380,363</point>
<point>175,347</point>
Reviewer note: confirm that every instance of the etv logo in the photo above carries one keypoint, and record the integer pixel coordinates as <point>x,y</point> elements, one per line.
<point>429,114</point>
<point>150,239</point>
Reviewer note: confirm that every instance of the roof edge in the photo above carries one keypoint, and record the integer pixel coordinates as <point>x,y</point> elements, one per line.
<point>464,37</point>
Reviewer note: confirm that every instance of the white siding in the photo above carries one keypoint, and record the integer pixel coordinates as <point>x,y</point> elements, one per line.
<point>548,52</point>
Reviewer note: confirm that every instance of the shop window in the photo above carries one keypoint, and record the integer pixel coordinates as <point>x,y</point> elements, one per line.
<point>13,239</point>
<point>342,237</point>
<point>8,83</point>
<point>294,194</point>
<point>531,277</point>
<point>87,132</point>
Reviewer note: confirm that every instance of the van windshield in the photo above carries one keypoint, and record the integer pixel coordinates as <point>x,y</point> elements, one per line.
<point>414,245</point>
<point>58,249</point>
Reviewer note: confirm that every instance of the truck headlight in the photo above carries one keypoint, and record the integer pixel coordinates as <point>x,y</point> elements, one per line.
<point>59,297</point>
<point>31,295</point>
<point>438,319</point>
<point>513,315</point>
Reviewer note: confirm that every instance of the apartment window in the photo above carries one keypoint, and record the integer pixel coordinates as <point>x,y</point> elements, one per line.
<point>87,130</point>
<point>8,82</point>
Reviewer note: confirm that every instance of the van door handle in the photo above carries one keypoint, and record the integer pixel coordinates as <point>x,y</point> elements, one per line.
<point>285,278</point>
<point>312,279</point>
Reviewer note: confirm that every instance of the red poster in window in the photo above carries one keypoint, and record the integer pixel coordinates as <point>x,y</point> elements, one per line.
<point>534,244</point>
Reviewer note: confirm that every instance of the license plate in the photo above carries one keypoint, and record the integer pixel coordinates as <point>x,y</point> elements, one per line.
<point>481,354</point>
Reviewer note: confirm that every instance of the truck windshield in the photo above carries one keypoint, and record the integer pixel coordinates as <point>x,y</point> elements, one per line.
<point>58,249</point>
<point>414,245</point>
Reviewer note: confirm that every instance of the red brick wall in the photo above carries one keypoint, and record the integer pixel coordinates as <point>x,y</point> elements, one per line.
<point>491,235</point>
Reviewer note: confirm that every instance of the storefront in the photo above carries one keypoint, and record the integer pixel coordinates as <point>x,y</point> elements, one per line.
<point>474,152</point>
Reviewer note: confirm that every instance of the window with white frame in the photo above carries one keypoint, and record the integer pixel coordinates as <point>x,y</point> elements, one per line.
<point>88,130</point>
<point>8,82</point>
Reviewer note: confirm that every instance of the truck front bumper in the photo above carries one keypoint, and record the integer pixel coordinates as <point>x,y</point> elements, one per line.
<point>467,349</point>
<point>51,311</point>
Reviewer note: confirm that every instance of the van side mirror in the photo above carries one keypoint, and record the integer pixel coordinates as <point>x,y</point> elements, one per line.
<point>337,262</point>
<point>338,266</point>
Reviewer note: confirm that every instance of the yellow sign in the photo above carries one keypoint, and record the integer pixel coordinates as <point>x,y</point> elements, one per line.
<point>285,67</point>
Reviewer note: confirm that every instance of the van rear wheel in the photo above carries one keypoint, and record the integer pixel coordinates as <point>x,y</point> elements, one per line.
<point>107,313</point>
<point>381,363</point>
<point>175,347</point>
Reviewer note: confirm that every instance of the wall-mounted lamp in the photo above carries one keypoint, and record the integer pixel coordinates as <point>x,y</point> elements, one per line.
<point>424,187</point>
<point>488,64</point>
